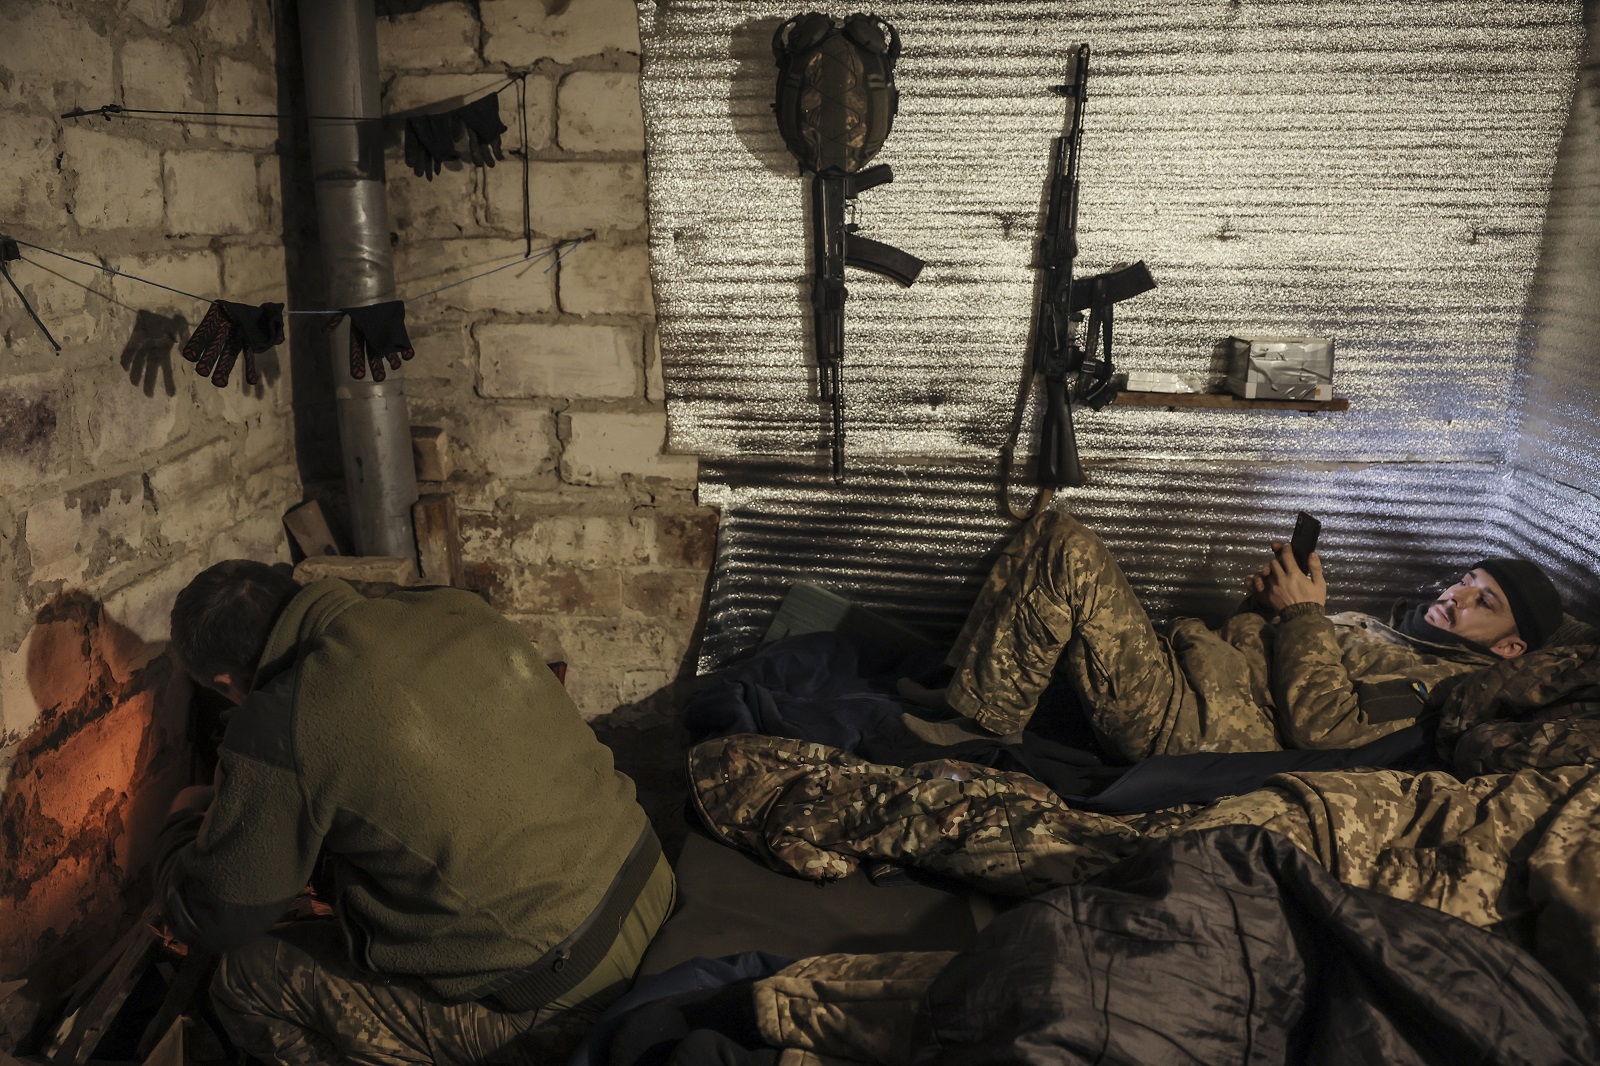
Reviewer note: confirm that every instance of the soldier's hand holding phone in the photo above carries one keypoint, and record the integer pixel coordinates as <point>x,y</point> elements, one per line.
<point>1295,573</point>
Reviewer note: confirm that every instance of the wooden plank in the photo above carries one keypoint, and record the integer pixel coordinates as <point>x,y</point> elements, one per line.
<point>438,530</point>
<point>86,1022</point>
<point>309,528</point>
<point>169,1052</point>
<point>193,972</point>
<point>1222,401</point>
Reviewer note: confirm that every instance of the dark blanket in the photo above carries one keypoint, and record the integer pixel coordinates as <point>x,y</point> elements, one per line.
<point>1231,945</point>
<point>816,688</point>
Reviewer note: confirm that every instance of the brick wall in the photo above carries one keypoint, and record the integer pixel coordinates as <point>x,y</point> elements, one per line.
<point>121,472</point>
<point>547,383</point>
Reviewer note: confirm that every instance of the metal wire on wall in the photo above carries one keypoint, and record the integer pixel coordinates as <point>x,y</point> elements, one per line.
<point>1374,172</point>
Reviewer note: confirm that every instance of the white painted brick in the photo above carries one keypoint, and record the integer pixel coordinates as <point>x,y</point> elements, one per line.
<point>518,32</point>
<point>524,289</point>
<point>145,605</point>
<point>268,437</point>
<point>513,442</point>
<point>584,541</point>
<point>19,711</point>
<point>441,92</point>
<point>599,111</point>
<point>212,193</point>
<point>157,73</point>
<point>35,439</point>
<point>159,14</point>
<point>602,446</point>
<point>69,297</point>
<point>439,35</point>
<point>443,366</point>
<point>185,476</point>
<point>259,537</point>
<point>449,206</point>
<point>273,490</point>
<point>29,184</point>
<point>569,199</point>
<point>254,273</point>
<point>197,519</point>
<point>236,22</point>
<point>558,360</point>
<point>607,278</point>
<point>249,88</point>
<point>57,59</point>
<point>77,536</point>
<point>196,272</point>
<point>118,423</point>
<point>118,179</point>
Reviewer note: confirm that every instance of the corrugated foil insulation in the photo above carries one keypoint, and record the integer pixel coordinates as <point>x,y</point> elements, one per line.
<point>1374,172</point>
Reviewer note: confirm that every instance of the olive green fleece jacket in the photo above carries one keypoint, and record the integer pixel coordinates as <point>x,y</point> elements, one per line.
<point>472,817</point>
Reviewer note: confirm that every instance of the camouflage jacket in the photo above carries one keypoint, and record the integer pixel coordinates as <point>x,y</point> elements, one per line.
<point>1336,681</point>
<point>1518,852</point>
<point>1538,711</point>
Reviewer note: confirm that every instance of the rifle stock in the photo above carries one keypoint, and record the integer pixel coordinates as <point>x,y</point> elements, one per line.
<point>1058,440</point>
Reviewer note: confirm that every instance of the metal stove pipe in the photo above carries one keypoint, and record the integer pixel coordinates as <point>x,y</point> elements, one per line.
<point>339,46</point>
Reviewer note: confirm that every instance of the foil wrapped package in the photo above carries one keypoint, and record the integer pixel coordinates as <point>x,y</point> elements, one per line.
<point>1281,368</point>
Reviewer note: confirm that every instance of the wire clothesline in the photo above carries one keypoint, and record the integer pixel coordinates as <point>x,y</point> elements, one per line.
<point>110,111</point>
<point>561,249</point>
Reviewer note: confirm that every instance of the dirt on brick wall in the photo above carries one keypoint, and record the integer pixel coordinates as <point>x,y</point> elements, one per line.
<point>122,472</point>
<point>577,522</point>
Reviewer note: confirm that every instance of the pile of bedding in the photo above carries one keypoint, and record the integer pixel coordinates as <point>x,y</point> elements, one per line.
<point>1498,841</point>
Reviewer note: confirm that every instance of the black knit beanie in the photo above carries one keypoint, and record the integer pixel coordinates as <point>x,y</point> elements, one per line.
<point>1535,603</point>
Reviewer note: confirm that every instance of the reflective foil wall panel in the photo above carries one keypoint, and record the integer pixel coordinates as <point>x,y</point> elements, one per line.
<point>1562,394</point>
<point>914,541</point>
<point>1375,172</point>
<point>1557,527</point>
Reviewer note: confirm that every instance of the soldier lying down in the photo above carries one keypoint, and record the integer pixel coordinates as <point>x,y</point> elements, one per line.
<point>1505,839</point>
<point>1283,676</point>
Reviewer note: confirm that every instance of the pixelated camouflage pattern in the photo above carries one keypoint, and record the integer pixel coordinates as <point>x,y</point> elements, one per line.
<point>1516,852</point>
<point>1539,710</point>
<point>818,812</point>
<point>862,1008</point>
<point>1056,593</point>
<point>295,998</point>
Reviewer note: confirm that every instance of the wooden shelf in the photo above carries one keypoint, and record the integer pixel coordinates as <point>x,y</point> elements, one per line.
<point>1225,401</point>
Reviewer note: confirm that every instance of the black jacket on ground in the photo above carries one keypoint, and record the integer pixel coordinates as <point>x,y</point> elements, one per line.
<point>1233,946</point>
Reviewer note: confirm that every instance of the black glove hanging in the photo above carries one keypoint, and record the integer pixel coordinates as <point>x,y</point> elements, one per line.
<point>377,332</point>
<point>227,330</point>
<point>431,142</point>
<point>468,133</point>
<point>482,119</point>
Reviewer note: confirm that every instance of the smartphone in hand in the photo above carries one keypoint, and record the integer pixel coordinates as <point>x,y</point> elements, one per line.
<point>1304,541</point>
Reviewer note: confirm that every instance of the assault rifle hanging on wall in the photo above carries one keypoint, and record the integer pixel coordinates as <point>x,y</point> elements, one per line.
<point>836,101</point>
<point>1073,372</point>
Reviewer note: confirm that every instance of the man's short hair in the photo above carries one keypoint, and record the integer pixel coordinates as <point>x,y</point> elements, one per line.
<point>221,620</point>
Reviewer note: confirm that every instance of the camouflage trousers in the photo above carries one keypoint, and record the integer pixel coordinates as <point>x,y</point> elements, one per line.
<point>1518,852</point>
<point>1056,594</point>
<point>295,997</point>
